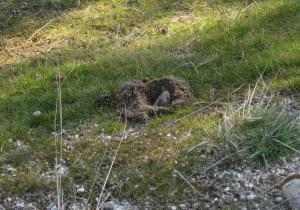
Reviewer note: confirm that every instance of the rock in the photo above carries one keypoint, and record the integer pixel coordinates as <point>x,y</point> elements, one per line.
<point>80,189</point>
<point>20,204</point>
<point>251,196</point>
<point>52,206</point>
<point>31,206</point>
<point>278,199</point>
<point>37,113</point>
<point>182,206</point>
<point>164,99</point>
<point>115,205</point>
<point>179,90</point>
<point>62,170</point>
<point>78,206</point>
<point>291,190</point>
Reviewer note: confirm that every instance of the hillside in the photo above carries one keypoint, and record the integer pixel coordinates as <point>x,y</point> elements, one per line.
<point>241,59</point>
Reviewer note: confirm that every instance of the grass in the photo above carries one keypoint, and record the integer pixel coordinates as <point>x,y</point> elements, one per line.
<point>266,128</point>
<point>220,45</point>
<point>237,55</point>
<point>271,137</point>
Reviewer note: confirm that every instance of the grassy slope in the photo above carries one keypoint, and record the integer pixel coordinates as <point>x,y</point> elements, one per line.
<point>221,45</point>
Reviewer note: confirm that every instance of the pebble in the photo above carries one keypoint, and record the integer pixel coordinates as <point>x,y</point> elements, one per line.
<point>52,206</point>
<point>20,204</point>
<point>227,189</point>
<point>78,206</point>
<point>37,113</point>
<point>182,206</point>
<point>115,205</point>
<point>80,189</point>
<point>62,170</point>
<point>251,196</point>
<point>242,197</point>
<point>278,199</point>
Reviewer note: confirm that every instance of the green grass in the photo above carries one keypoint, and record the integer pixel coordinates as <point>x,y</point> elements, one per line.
<point>222,45</point>
<point>267,132</point>
<point>14,13</point>
<point>241,50</point>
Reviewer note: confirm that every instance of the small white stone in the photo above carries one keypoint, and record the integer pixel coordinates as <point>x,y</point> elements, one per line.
<point>78,206</point>
<point>19,143</point>
<point>80,189</point>
<point>37,113</point>
<point>182,206</point>
<point>242,197</point>
<point>227,189</point>
<point>152,188</point>
<point>249,185</point>
<point>215,200</point>
<point>20,204</point>
<point>278,199</point>
<point>62,170</point>
<point>31,206</point>
<point>11,169</point>
<point>251,196</point>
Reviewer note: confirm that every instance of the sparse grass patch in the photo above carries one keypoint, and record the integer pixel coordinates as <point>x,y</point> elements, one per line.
<point>26,180</point>
<point>287,81</point>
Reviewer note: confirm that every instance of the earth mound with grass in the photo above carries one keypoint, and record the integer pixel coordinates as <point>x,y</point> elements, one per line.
<point>140,99</point>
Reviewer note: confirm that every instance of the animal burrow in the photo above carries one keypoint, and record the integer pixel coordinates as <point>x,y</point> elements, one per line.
<point>139,100</point>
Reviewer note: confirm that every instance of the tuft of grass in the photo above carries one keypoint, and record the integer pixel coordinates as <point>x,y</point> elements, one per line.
<point>271,134</point>
<point>268,130</point>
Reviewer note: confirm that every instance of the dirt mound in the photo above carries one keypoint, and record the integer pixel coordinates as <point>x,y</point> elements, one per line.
<point>144,99</point>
